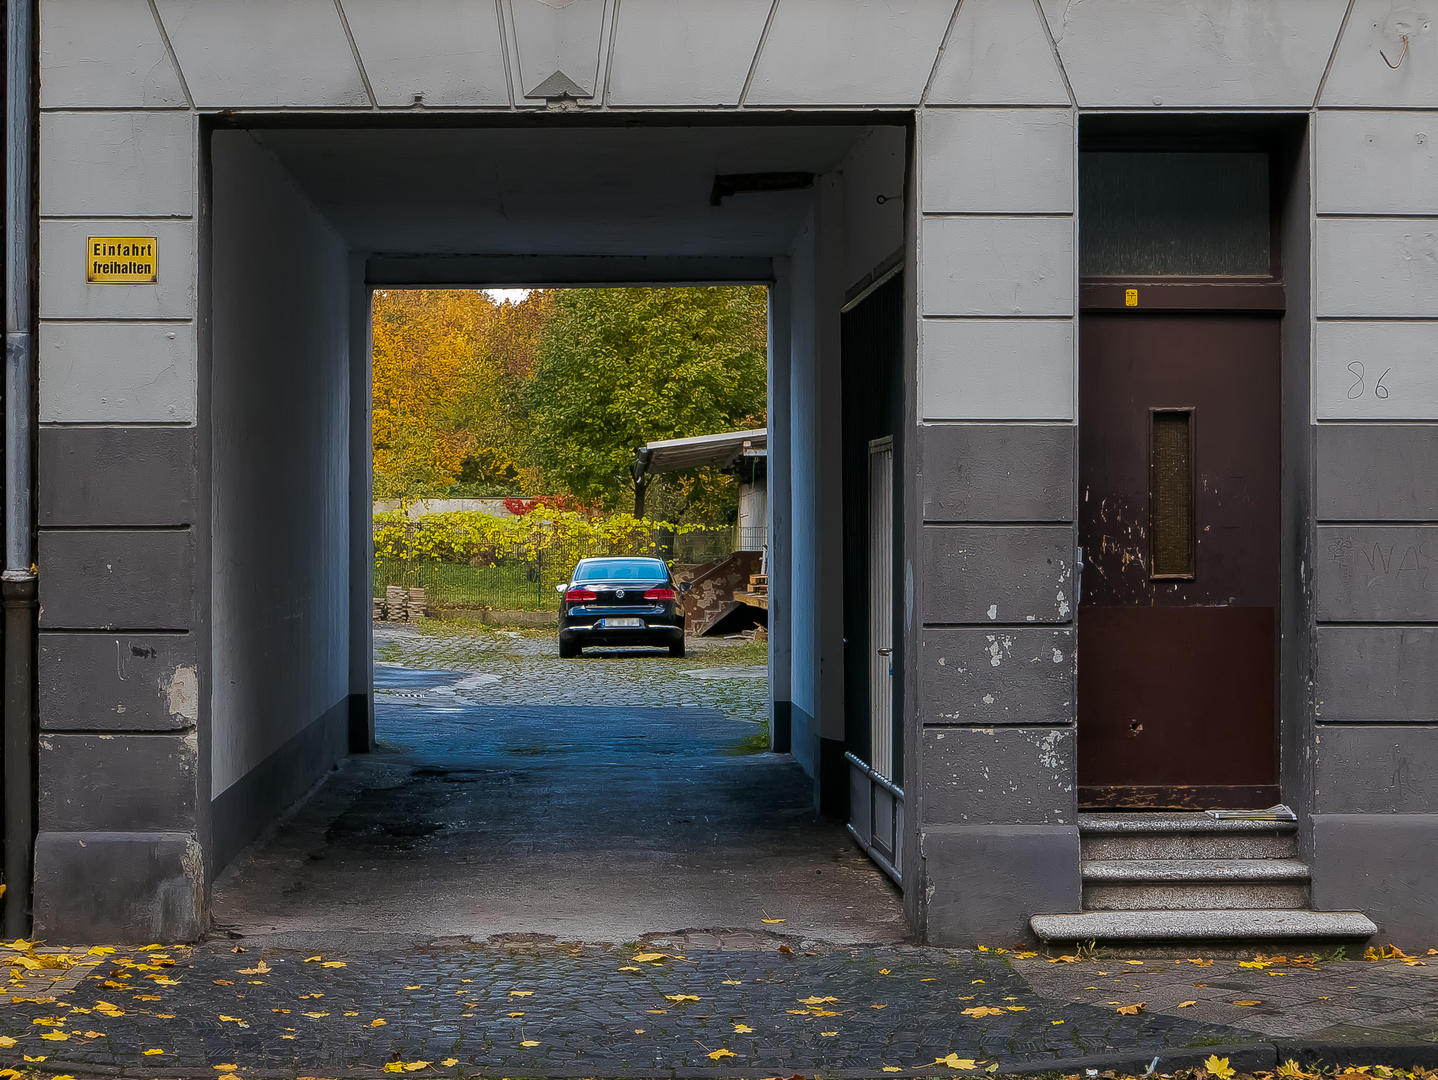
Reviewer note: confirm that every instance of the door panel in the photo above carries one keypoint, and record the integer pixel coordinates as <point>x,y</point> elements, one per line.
<point>1179,515</point>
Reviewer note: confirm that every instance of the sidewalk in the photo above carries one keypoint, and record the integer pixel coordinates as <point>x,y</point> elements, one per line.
<point>725,1005</point>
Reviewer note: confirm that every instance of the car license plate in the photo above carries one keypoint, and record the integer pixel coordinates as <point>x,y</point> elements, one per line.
<point>612,623</point>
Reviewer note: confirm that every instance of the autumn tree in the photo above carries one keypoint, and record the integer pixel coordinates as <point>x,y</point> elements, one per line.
<point>618,368</point>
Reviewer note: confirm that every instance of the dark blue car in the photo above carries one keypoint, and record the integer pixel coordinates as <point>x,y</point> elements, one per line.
<point>621,600</point>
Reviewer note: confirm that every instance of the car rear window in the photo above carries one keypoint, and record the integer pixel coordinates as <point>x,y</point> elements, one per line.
<point>620,570</point>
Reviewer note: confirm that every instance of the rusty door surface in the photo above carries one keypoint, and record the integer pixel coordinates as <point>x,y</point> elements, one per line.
<point>1179,522</point>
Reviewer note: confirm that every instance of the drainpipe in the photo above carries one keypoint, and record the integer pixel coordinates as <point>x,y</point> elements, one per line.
<point>17,583</point>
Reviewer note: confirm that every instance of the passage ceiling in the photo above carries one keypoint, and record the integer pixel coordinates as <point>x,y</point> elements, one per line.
<point>566,191</point>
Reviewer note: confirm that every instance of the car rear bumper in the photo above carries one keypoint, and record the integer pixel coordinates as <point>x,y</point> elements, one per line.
<point>653,633</point>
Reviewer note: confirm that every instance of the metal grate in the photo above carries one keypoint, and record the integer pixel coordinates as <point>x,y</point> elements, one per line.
<point>1171,533</point>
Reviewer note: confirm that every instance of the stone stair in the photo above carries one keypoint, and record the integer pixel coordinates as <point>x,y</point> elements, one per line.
<point>1186,876</point>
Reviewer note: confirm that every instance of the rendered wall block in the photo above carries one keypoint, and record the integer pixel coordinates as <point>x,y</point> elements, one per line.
<point>263,53</point>
<point>1380,674</point>
<point>998,675</point>
<point>998,53</point>
<point>996,161</point>
<point>998,776</point>
<point>1375,29</point>
<point>684,54</point>
<point>120,682</point>
<point>1384,865</point>
<point>1377,472</point>
<point>1376,162</point>
<point>997,472</point>
<point>996,369</point>
<point>104,579</point>
<point>438,52</point>
<point>64,254</point>
<point>563,39</point>
<point>820,53</point>
<point>1202,53</point>
<point>1370,370</point>
<point>1376,769</point>
<point>986,881</point>
<point>127,782</point>
<point>996,265</point>
<point>1381,267</point>
<point>1000,574</point>
<point>96,476</point>
<point>132,887</point>
<point>102,56</point>
<point>117,164</point>
<point>1378,573</point>
<point>127,372</point>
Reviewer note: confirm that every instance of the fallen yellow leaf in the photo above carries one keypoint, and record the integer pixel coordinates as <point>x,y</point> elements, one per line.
<point>41,1057</point>
<point>94,1034</point>
<point>626,967</point>
<point>682,997</point>
<point>1132,1010</point>
<point>55,1036</point>
<point>1138,962</point>
<point>742,1029</point>
<point>953,1061</point>
<point>1201,963</point>
<point>101,950</point>
<point>1218,1067</point>
<point>516,1014</point>
<point>828,1034</point>
<point>878,1006</point>
<point>733,982</point>
<point>521,993</point>
<point>775,920</point>
<point>980,1011</point>
<point>1187,1004</point>
<point>226,1068</point>
<point>340,964</point>
<point>1016,1008</point>
<point>415,1066</point>
<point>450,1062</point>
<point>313,959</point>
<point>352,1014</point>
<point>814,1000</point>
<point>378,1023</point>
<point>260,968</point>
<point>6,1041</point>
<point>1055,1021</point>
<point>230,1019</point>
<point>50,1021</point>
<point>316,1015</point>
<point>1248,1003</point>
<point>892,1068</point>
<point>1260,964</point>
<point>649,957</point>
<point>151,1053</point>
<point>391,1066</point>
<point>883,971</point>
<point>530,1042</point>
<point>285,1011</point>
<point>147,997</point>
<point>412,987</point>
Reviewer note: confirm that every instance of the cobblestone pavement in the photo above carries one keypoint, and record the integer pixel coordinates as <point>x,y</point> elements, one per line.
<point>583,869</point>
<point>541,1008</point>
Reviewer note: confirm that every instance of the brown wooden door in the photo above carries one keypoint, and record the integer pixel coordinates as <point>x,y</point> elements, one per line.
<point>1179,521</point>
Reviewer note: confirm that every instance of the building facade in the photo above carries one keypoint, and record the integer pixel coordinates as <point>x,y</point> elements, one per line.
<point>1104,342</point>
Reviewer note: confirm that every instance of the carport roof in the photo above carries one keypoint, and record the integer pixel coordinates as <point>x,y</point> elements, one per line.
<point>721,449</point>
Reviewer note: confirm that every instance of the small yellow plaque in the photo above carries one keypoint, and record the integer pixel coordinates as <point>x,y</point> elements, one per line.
<point>1130,298</point>
<point>122,260</point>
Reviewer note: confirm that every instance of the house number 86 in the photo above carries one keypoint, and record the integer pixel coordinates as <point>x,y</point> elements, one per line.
<point>1358,389</point>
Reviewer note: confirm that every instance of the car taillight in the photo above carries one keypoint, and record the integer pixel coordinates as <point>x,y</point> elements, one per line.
<point>660,592</point>
<point>581,594</point>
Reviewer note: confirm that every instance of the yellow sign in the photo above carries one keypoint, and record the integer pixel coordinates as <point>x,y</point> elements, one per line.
<point>122,260</point>
<point>1130,298</point>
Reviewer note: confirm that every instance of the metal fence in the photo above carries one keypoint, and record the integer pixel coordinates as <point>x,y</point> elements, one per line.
<point>528,583</point>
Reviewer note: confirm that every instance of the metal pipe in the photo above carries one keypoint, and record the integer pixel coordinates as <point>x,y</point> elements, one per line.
<point>17,584</point>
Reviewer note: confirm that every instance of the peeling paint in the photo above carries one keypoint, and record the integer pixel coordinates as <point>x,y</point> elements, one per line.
<point>182,694</point>
<point>993,611</point>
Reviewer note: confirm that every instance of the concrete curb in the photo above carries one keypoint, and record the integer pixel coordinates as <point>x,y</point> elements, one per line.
<point>1243,1057</point>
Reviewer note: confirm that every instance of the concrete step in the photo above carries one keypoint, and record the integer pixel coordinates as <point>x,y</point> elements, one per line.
<point>1203,925</point>
<point>1183,836</point>
<point>1194,884</point>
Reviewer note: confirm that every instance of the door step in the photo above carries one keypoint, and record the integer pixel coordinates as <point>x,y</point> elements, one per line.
<point>1176,876</point>
<point>1222,925</point>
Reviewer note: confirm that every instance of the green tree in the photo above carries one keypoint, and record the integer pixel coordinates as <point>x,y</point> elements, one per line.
<point>618,368</point>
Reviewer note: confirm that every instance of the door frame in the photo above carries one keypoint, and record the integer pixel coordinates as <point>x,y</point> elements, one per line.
<point>1286,137</point>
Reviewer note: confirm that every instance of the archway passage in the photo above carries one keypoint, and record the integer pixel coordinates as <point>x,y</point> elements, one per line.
<point>540,802</point>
